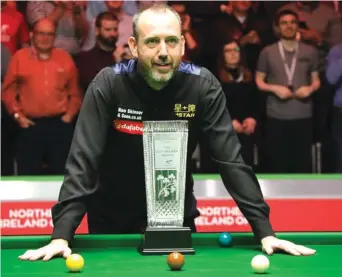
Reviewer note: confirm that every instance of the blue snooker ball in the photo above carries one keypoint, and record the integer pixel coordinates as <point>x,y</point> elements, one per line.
<point>225,239</point>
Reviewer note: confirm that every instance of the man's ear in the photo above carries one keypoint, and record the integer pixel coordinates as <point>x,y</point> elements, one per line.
<point>133,46</point>
<point>276,30</point>
<point>183,45</point>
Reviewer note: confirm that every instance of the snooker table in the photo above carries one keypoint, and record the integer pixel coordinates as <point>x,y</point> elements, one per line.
<point>117,256</point>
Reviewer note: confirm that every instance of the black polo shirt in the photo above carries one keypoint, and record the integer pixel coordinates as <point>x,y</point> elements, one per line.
<point>105,168</point>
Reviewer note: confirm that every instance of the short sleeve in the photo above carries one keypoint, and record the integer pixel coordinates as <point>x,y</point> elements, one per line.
<point>262,65</point>
<point>314,61</point>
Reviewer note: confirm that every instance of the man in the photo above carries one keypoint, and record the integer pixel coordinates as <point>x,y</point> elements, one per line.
<point>72,27</point>
<point>319,23</point>
<point>105,170</point>
<point>41,93</point>
<point>291,70</point>
<point>244,25</point>
<point>104,53</point>
<point>334,77</point>
<point>124,24</point>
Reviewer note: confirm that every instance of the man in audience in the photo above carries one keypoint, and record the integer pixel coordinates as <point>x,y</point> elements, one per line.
<point>334,77</point>
<point>124,25</point>
<point>242,24</point>
<point>41,93</point>
<point>68,16</point>
<point>105,51</point>
<point>318,23</point>
<point>288,72</point>
<point>320,26</point>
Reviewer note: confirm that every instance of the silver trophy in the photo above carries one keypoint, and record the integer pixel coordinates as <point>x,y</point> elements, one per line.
<point>165,158</point>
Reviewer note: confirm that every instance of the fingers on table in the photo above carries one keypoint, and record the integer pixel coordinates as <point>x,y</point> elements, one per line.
<point>296,250</point>
<point>305,250</point>
<point>33,254</point>
<point>45,253</point>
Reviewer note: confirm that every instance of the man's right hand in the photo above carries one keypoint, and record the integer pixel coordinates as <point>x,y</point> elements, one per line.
<point>24,122</point>
<point>237,126</point>
<point>57,247</point>
<point>282,92</point>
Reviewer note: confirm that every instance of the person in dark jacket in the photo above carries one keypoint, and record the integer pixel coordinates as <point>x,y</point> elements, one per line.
<point>104,174</point>
<point>242,98</point>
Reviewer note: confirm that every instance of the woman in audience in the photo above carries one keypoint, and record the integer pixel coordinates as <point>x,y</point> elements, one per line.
<point>241,96</point>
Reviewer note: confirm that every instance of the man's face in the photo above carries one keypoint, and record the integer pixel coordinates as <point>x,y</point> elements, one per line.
<point>241,6</point>
<point>108,33</point>
<point>44,36</point>
<point>231,53</point>
<point>288,26</point>
<point>160,46</point>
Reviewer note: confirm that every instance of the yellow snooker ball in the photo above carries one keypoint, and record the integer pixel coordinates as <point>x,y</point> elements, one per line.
<point>74,262</point>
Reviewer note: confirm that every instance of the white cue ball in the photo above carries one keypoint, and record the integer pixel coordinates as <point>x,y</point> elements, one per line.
<point>260,263</point>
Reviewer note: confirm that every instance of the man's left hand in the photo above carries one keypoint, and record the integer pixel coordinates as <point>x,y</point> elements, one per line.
<point>303,92</point>
<point>249,125</point>
<point>66,118</point>
<point>271,244</point>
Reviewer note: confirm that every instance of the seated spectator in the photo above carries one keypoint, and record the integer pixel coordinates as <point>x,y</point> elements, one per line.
<point>105,52</point>
<point>41,93</point>
<point>14,29</point>
<point>70,19</point>
<point>241,96</point>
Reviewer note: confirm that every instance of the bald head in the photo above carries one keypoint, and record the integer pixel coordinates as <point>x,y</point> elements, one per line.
<point>44,24</point>
<point>158,12</point>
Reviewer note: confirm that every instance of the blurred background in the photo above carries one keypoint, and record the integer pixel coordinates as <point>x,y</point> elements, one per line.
<point>230,38</point>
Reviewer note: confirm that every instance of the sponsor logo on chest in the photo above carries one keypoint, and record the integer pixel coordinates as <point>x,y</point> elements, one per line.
<point>129,121</point>
<point>185,111</point>
<point>129,127</point>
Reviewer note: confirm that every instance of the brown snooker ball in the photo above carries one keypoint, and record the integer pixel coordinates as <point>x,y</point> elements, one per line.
<point>175,261</point>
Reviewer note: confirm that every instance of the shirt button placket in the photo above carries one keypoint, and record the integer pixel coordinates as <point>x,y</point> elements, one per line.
<point>46,81</point>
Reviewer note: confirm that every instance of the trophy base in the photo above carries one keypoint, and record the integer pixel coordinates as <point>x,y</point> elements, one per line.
<point>163,241</point>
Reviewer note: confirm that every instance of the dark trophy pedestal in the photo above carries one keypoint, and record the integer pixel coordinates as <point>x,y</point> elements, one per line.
<point>163,241</point>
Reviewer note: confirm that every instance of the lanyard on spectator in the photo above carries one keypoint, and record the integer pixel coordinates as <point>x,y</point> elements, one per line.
<point>289,71</point>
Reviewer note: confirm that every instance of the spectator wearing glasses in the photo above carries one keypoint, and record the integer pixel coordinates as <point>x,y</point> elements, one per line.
<point>70,19</point>
<point>241,94</point>
<point>41,93</point>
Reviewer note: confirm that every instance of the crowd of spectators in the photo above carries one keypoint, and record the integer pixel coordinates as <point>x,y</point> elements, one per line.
<point>279,63</point>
